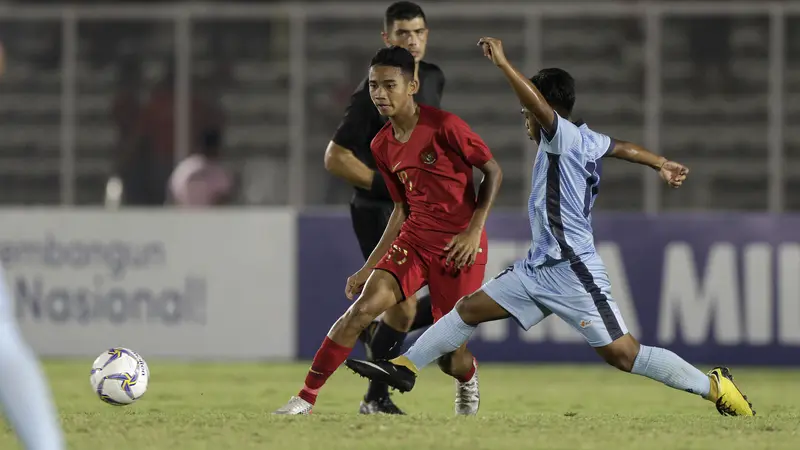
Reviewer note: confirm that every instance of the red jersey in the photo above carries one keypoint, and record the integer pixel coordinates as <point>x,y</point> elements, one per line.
<point>432,173</point>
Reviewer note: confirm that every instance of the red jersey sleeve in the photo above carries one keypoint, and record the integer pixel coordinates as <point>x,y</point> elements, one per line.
<point>393,184</point>
<point>462,139</point>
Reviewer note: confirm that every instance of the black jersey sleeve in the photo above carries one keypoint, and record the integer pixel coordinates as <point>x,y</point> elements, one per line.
<point>357,127</point>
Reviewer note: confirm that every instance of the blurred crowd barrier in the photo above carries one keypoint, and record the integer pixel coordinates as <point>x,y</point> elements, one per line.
<point>97,97</point>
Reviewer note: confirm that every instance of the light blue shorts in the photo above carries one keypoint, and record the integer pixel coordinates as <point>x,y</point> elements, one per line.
<point>578,292</point>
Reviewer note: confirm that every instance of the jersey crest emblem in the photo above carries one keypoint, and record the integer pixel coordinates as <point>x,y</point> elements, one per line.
<point>428,157</point>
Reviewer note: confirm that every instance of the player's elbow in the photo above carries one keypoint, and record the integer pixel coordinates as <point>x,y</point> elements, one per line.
<point>334,156</point>
<point>493,170</point>
<point>622,150</point>
<point>400,211</point>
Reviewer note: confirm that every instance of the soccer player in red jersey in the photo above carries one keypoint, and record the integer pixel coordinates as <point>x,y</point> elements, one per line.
<point>435,234</point>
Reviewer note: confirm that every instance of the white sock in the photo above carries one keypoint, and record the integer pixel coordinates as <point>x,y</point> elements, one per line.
<point>662,365</point>
<point>445,336</point>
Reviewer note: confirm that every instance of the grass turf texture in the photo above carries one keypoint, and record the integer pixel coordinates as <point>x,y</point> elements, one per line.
<point>222,406</point>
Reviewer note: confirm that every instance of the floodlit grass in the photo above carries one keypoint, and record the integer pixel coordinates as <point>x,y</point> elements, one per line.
<point>228,406</point>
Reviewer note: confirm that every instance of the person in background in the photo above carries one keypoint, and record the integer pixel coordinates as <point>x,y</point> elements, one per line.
<point>200,180</point>
<point>153,151</point>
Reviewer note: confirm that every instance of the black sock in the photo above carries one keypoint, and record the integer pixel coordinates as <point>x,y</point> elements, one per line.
<point>424,317</point>
<point>386,344</point>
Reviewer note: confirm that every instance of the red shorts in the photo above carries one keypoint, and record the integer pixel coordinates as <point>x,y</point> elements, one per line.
<point>414,268</point>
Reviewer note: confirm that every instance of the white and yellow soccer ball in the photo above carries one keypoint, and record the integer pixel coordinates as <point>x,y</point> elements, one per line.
<point>119,376</point>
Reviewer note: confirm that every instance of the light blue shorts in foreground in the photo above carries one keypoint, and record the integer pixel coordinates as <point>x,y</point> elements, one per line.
<point>578,292</point>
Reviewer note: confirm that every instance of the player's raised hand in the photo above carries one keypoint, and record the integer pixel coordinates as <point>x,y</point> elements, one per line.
<point>356,282</point>
<point>463,249</point>
<point>493,49</point>
<point>674,173</point>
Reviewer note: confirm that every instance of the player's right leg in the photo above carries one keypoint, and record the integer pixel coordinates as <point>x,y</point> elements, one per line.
<point>24,393</point>
<point>380,293</point>
<point>402,270</point>
<point>383,337</point>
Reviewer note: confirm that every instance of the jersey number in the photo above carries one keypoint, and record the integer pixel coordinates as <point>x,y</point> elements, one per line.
<point>398,255</point>
<point>403,176</point>
<point>592,187</point>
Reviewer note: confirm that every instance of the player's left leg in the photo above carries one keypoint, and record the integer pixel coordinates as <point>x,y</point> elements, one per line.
<point>383,338</point>
<point>462,365</point>
<point>447,288</point>
<point>660,364</point>
<point>581,296</point>
<point>381,292</point>
<point>24,393</point>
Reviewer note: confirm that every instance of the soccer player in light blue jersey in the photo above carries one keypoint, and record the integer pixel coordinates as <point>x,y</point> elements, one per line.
<point>24,394</point>
<point>562,273</point>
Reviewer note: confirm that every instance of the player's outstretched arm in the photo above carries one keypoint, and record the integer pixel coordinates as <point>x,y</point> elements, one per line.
<point>528,95</point>
<point>671,171</point>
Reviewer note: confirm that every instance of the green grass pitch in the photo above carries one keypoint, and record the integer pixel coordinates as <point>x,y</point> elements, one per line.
<point>227,406</point>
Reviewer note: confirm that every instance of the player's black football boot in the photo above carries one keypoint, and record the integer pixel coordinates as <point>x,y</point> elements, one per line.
<point>383,405</point>
<point>396,376</point>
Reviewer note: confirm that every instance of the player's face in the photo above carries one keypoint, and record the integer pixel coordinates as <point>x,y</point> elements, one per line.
<point>531,124</point>
<point>389,89</point>
<point>412,35</point>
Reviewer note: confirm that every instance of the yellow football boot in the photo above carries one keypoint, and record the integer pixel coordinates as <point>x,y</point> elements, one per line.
<point>726,395</point>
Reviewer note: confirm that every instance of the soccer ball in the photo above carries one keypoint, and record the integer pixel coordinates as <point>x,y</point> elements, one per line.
<point>119,376</point>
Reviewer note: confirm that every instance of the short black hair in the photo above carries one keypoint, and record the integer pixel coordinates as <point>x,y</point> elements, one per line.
<point>395,56</point>
<point>558,88</point>
<point>211,143</point>
<point>402,11</point>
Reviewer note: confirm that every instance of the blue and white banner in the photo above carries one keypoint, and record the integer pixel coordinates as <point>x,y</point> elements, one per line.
<point>269,284</point>
<point>178,284</point>
<point>714,288</point>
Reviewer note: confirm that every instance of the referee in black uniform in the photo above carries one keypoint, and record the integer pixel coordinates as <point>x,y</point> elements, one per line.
<point>349,156</point>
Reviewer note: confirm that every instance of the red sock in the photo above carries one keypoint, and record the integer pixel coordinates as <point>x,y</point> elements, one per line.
<point>468,376</point>
<point>328,358</point>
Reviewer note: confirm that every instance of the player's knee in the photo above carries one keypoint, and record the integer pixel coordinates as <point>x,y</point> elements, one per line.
<point>400,317</point>
<point>362,313</point>
<point>621,356</point>
<point>621,362</point>
<point>468,310</point>
<point>445,363</point>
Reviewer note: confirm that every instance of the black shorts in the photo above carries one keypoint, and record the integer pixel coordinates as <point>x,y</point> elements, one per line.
<point>369,222</point>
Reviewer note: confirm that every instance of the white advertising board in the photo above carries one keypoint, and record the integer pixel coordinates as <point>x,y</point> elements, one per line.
<point>213,284</point>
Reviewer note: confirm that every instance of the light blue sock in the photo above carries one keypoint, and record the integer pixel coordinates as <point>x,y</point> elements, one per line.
<point>662,365</point>
<point>24,393</point>
<point>445,336</point>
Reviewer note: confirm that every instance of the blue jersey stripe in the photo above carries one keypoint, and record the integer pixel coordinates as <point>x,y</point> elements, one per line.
<point>578,267</point>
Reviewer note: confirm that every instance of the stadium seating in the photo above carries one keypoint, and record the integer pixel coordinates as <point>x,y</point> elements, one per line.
<point>722,136</point>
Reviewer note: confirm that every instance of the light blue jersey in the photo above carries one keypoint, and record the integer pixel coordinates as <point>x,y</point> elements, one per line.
<point>566,179</point>
<point>563,274</point>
